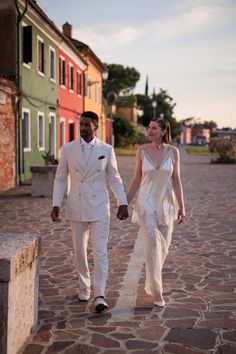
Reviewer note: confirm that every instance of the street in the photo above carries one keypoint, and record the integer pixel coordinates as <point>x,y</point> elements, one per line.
<point>199,274</point>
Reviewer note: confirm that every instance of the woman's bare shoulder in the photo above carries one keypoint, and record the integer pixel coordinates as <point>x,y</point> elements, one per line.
<point>142,147</point>
<point>174,150</point>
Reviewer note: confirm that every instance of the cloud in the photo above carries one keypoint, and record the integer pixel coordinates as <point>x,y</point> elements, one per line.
<point>192,17</point>
<point>97,39</point>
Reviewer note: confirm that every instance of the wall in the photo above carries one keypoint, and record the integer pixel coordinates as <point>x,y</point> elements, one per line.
<point>7,38</point>
<point>128,113</point>
<point>186,135</point>
<point>93,102</point>
<point>7,135</point>
<point>39,93</point>
<point>202,132</point>
<point>71,104</point>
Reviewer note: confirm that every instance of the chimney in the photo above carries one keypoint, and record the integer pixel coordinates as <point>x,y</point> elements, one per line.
<point>67,29</point>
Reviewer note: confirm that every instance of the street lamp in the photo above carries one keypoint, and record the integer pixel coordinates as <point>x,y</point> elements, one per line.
<point>105,75</point>
<point>154,105</point>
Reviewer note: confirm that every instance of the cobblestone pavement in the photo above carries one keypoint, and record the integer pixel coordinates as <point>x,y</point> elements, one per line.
<point>199,274</point>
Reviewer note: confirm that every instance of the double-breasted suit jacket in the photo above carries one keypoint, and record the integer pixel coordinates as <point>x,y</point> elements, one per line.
<point>88,198</point>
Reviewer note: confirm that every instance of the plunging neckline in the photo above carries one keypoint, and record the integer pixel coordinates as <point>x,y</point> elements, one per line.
<point>151,161</point>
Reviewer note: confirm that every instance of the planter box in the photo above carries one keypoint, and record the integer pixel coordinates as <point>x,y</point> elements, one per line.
<point>19,266</point>
<point>43,180</point>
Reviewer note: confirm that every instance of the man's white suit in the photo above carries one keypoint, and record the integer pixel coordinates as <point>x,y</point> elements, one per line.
<point>87,205</point>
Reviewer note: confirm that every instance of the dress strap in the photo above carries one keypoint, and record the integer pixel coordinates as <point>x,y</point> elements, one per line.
<point>171,153</point>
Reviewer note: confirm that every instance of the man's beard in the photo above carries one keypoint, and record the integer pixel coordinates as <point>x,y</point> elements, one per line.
<point>87,137</point>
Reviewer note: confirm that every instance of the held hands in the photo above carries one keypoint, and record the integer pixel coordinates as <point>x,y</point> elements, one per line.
<point>55,214</point>
<point>181,215</point>
<point>122,213</point>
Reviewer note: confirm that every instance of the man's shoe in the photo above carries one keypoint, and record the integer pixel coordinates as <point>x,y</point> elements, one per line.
<point>100,304</point>
<point>84,295</point>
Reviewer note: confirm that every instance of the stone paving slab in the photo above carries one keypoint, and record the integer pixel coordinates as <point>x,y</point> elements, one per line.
<point>199,274</point>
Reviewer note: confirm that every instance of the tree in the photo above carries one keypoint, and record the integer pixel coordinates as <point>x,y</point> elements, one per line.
<point>125,133</point>
<point>120,78</point>
<point>210,124</point>
<point>197,122</point>
<point>164,108</point>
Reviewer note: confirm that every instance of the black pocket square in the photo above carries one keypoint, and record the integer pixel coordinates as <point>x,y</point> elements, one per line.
<point>101,157</point>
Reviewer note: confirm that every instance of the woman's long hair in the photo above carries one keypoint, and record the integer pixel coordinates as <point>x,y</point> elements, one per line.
<point>164,125</point>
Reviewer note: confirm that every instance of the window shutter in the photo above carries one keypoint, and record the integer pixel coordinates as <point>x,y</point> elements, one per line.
<point>43,57</point>
<point>27,44</point>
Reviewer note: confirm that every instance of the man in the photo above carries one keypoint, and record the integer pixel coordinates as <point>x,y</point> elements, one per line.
<point>90,164</point>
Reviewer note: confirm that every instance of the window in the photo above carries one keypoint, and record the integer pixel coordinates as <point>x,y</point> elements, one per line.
<point>52,134</point>
<point>71,76</point>
<point>85,85</point>
<point>41,131</point>
<point>62,71</point>
<point>89,88</point>
<point>26,129</point>
<point>52,61</point>
<point>62,132</point>
<point>40,56</point>
<point>100,95</point>
<point>79,83</point>
<point>96,88</point>
<point>71,131</point>
<point>26,44</point>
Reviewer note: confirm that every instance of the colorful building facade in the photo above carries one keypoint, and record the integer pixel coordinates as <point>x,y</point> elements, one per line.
<point>94,74</point>
<point>56,78</point>
<point>70,94</point>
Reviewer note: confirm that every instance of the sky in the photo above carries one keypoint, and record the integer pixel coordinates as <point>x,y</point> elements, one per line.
<point>186,47</point>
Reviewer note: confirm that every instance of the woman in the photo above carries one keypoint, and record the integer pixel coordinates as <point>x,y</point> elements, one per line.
<point>159,201</point>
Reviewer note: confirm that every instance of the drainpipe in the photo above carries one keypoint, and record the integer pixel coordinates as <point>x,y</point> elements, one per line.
<point>18,81</point>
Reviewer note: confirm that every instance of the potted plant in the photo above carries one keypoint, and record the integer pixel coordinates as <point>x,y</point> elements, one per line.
<point>49,159</point>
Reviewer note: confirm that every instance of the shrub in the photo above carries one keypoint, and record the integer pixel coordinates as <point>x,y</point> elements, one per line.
<point>225,147</point>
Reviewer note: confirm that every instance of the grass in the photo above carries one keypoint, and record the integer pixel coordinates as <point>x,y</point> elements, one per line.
<point>199,150</point>
<point>127,151</point>
<point>193,150</point>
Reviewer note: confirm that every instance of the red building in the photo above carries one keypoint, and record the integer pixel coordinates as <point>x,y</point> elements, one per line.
<point>71,93</point>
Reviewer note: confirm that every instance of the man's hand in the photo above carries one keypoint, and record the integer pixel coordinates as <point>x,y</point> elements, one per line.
<point>55,214</point>
<point>122,213</point>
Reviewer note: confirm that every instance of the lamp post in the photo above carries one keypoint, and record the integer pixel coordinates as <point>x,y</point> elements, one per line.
<point>154,105</point>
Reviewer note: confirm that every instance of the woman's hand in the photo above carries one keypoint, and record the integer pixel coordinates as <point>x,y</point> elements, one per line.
<point>181,215</point>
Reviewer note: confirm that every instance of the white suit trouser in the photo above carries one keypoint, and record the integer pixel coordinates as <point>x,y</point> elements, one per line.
<point>98,231</point>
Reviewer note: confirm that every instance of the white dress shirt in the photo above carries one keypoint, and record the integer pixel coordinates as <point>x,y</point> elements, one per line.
<point>87,148</point>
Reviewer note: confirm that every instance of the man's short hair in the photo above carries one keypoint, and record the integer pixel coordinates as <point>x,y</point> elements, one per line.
<point>91,115</point>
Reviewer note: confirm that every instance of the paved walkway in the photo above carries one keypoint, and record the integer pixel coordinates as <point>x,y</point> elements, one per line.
<point>199,275</point>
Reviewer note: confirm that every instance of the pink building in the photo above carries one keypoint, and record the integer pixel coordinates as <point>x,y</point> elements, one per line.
<point>186,135</point>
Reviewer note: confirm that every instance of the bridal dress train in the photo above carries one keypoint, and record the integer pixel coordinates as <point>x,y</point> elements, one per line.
<point>155,210</point>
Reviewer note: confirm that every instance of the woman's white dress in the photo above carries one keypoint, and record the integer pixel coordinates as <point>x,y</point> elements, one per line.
<point>155,210</point>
